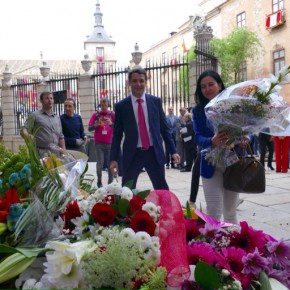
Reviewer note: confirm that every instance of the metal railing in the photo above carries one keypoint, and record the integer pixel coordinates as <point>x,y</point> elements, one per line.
<point>168,81</point>
<point>25,95</point>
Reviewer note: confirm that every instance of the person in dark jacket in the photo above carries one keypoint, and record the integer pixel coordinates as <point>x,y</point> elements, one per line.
<point>72,127</point>
<point>187,135</point>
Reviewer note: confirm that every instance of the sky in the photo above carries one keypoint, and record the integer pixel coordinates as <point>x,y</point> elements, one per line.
<point>58,28</point>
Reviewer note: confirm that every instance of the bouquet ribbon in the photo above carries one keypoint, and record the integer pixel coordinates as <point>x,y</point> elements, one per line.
<point>171,236</point>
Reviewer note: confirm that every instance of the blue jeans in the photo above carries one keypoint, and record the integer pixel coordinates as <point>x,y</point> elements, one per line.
<point>103,152</point>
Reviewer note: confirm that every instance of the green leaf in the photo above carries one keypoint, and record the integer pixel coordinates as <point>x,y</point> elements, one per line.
<point>188,213</point>
<point>206,276</point>
<point>26,251</point>
<point>129,184</point>
<point>143,193</point>
<point>264,280</point>
<point>123,207</point>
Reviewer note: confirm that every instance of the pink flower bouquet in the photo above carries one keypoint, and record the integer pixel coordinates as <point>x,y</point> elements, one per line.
<point>232,256</point>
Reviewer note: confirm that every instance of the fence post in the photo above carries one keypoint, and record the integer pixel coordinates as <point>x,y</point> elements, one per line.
<point>192,81</point>
<point>11,140</point>
<point>86,97</point>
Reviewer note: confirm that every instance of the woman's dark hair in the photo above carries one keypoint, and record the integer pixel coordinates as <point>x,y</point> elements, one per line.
<point>199,97</point>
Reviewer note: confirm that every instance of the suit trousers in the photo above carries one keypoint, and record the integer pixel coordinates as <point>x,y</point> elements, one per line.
<point>145,159</point>
<point>220,201</point>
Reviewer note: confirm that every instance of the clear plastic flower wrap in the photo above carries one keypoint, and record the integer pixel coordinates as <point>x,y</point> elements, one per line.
<point>247,108</point>
<point>50,195</point>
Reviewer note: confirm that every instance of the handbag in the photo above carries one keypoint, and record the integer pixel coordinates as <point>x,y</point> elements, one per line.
<point>245,176</point>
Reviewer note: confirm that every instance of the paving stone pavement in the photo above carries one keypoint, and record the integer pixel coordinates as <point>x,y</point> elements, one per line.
<point>268,211</point>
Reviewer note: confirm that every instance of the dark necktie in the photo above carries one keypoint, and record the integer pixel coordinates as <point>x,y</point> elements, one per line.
<point>142,126</point>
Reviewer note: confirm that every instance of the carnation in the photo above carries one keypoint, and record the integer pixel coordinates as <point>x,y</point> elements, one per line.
<point>114,188</point>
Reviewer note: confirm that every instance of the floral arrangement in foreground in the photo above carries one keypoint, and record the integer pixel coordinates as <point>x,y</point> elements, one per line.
<point>111,239</point>
<point>226,256</point>
<point>71,235</point>
<point>247,108</point>
<point>32,190</point>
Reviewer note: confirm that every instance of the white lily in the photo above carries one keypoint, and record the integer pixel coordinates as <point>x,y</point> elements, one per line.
<point>65,261</point>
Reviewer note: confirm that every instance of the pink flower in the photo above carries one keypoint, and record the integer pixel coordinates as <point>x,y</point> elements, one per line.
<point>192,228</point>
<point>200,252</point>
<point>254,263</point>
<point>280,251</point>
<point>209,230</point>
<point>232,261</point>
<point>248,239</point>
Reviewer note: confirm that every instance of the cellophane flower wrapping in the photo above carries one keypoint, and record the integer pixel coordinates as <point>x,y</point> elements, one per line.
<point>171,236</point>
<point>247,108</point>
<point>49,197</point>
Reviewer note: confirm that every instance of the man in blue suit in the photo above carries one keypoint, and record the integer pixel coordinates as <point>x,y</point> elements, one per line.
<point>135,156</point>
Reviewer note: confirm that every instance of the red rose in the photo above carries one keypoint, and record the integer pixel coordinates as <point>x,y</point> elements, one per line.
<point>3,216</point>
<point>141,221</point>
<point>10,198</point>
<point>72,211</point>
<point>136,203</point>
<point>103,214</point>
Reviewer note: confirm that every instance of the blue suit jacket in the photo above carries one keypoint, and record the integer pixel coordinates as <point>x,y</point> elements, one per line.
<point>203,135</point>
<point>126,126</point>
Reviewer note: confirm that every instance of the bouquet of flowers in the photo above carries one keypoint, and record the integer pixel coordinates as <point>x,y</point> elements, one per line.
<point>226,256</point>
<point>25,179</point>
<point>113,238</point>
<point>15,182</point>
<point>246,108</point>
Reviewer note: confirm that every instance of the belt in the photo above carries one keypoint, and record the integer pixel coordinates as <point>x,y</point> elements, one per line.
<point>143,148</point>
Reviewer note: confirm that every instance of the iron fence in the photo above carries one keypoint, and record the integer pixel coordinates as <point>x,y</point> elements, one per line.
<point>168,81</point>
<point>25,96</point>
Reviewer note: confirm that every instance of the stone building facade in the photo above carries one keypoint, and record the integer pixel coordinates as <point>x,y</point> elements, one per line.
<point>269,19</point>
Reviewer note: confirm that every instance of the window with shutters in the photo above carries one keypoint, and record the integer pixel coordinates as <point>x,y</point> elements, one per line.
<point>278,60</point>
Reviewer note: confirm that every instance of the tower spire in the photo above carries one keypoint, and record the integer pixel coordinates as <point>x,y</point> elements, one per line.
<point>98,15</point>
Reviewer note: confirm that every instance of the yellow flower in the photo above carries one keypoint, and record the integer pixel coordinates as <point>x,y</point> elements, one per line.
<point>193,215</point>
<point>52,162</point>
